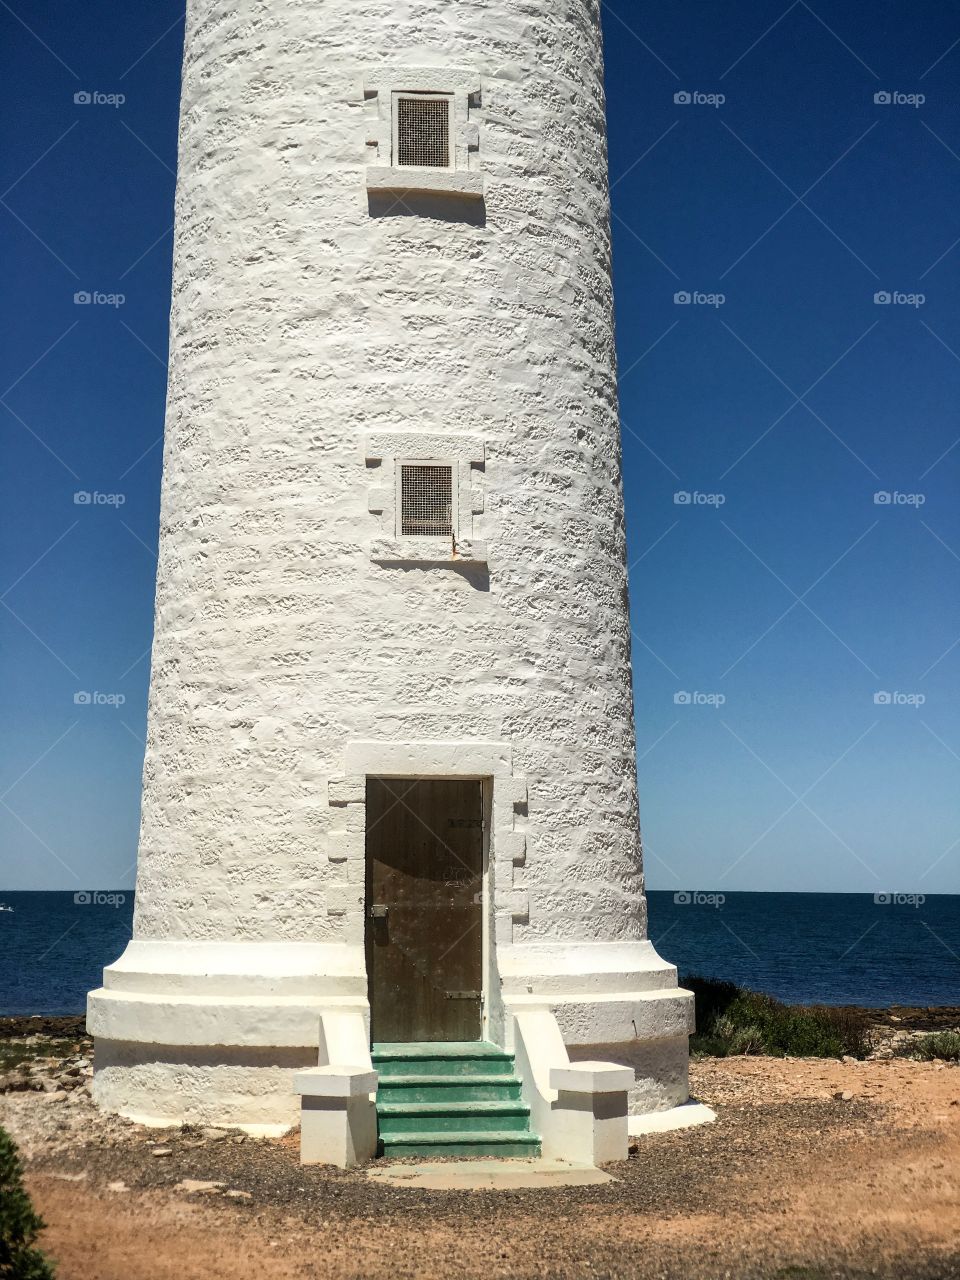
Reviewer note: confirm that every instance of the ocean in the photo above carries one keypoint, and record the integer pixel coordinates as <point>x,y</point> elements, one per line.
<point>829,948</point>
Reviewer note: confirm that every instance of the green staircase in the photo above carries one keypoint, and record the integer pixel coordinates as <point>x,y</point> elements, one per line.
<point>451,1100</point>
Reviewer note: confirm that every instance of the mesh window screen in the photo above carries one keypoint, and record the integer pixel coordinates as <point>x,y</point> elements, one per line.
<point>426,501</point>
<point>423,132</point>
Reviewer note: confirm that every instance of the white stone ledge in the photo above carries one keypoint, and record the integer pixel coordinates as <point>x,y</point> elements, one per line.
<point>146,1018</point>
<point>335,1082</point>
<point>453,759</point>
<point>423,444</point>
<point>453,182</point>
<point>586,967</point>
<point>591,1077</point>
<point>685,1116</point>
<point>238,968</point>
<point>427,551</point>
<point>613,1017</point>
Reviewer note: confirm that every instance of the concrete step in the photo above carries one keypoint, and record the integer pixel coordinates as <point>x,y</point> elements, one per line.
<point>461,1143</point>
<point>453,1059</point>
<point>434,1088</point>
<point>464,1117</point>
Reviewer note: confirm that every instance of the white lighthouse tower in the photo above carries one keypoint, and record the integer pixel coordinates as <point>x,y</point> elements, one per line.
<point>390,789</point>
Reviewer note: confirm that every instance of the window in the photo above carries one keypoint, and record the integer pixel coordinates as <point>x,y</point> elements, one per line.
<point>427,500</point>
<point>421,131</point>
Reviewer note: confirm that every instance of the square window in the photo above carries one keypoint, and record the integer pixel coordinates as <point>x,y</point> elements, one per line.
<point>426,500</point>
<point>421,131</point>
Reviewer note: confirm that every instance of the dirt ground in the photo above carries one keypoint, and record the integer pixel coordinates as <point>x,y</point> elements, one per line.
<point>794,1180</point>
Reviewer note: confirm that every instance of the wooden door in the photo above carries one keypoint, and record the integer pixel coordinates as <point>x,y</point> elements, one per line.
<point>424,931</point>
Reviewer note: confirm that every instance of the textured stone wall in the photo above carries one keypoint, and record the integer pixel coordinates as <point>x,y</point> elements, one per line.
<point>305,315</point>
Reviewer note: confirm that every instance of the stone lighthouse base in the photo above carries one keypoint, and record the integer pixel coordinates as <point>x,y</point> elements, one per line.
<point>213,1032</point>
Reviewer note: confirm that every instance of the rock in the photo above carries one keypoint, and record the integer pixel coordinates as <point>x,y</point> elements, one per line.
<point>48,1085</point>
<point>161,1152</point>
<point>238,1195</point>
<point>117,1186</point>
<point>196,1185</point>
<point>58,1095</point>
<point>214,1135</point>
<point>846,1096</point>
<point>241,1137</point>
<point>14,1082</point>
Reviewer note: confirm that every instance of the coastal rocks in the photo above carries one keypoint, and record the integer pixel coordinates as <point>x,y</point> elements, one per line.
<point>42,1072</point>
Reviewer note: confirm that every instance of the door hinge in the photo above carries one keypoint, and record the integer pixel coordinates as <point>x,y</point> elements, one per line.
<point>462,995</point>
<point>378,911</point>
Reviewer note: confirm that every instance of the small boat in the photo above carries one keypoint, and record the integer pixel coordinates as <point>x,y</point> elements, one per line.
<point>4,907</point>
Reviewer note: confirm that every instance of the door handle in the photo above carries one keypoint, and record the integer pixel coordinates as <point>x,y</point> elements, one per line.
<point>378,911</point>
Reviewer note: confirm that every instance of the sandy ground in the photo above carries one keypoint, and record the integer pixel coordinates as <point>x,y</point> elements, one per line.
<point>792,1181</point>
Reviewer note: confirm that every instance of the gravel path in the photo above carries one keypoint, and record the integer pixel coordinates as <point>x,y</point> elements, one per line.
<point>814,1169</point>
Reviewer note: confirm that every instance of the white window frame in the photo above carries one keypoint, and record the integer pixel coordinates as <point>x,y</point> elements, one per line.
<point>452,463</point>
<point>451,131</point>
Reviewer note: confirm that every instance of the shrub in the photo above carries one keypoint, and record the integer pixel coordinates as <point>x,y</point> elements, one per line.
<point>19,1224</point>
<point>733,1020</point>
<point>939,1044</point>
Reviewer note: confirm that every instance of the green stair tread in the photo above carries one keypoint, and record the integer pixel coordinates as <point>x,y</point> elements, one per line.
<point>440,1049</point>
<point>467,1137</point>
<point>506,1107</point>
<point>426,1103</point>
<point>424,1080</point>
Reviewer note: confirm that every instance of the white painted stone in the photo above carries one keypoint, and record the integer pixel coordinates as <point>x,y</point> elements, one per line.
<point>319,328</point>
<point>579,1109</point>
<point>335,1082</point>
<point>592,1077</point>
<point>686,1116</point>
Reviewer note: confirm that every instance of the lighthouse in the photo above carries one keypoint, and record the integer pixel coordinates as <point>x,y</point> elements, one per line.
<point>390,807</point>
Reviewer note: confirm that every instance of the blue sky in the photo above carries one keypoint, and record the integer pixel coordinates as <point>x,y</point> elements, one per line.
<point>770,610</point>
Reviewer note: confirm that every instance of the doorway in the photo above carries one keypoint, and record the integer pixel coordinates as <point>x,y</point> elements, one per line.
<point>424,908</point>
